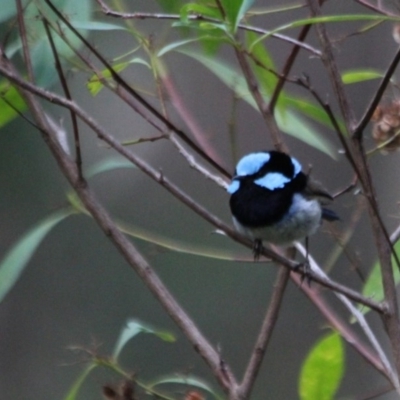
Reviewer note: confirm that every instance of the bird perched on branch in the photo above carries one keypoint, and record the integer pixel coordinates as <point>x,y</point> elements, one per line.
<point>273,200</point>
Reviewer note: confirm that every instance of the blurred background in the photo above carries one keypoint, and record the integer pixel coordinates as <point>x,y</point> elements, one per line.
<point>78,291</point>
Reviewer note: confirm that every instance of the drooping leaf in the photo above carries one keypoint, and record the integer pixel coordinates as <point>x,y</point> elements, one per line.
<point>133,328</point>
<point>74,389</point>
<point>322,371</point>
<point>360,75</point>
<point>17,258</point>
<point>95,83</point>
<point>373,286</point>
<point>187,381</point>
<point>287,121</point>
<point>108,164</point>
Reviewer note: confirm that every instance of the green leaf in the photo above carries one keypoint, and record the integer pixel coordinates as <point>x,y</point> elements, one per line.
<point>267,79</point>
<point>95,83</point>
<point>17,258</point>
<point>373,286</point>
<point>9,95</point>
<point>73,391</point>
<point>97,26</point>
<point>322,371</point>
<point>360,75</point>
<point>326,19</point>
<point>108,164</point>
<point>133,328</point>
<point>186,380</point>
<point>172,6</point>
<point>287,121</point>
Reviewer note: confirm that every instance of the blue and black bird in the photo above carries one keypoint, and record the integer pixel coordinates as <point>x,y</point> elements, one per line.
<point>273,200</point>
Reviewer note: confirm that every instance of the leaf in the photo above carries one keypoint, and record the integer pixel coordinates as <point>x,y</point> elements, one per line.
<point>186,380</point>
<point>323,20</point>
<point>267,79</point>
<point>235,11</point>
<point>73,391</point>
<point>322,370</point>
<point>360,75</point>
<point>97,26</point>
<point>373,286</point>
<point>287,121</point>
<point>179,246</point>
<point>108,164</point>
<point>95,83</point>
<point>10,95</point>
<point>17,258</point>
<point>133,328</point>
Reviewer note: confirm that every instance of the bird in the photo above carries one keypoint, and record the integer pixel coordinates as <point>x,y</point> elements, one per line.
<point>273,200</point>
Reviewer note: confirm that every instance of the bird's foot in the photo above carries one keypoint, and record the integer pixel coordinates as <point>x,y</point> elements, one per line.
<point>257,248</point>
<point>305,270</point>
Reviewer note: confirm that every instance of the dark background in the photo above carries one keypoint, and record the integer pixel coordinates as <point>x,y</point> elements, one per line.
<point>77,289</point>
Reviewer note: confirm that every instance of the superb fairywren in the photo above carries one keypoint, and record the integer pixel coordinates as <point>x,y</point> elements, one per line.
<point>273,200</point>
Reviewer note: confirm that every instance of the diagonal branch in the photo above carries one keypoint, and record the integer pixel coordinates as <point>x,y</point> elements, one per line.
<point>177,192</point>
<point>125,247</point>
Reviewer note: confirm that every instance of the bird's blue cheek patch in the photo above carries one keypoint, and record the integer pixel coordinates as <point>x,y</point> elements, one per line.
<point>272,181</point>
<point>233,187</point>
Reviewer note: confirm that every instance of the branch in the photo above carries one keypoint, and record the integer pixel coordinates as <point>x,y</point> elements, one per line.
<point>125,247</point>
<point>177,192</point>
<point>264,336</point>
<point>358,131</point>
<point>196,17</point>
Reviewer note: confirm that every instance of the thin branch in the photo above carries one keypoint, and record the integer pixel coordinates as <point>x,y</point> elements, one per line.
<point>117,77</point>
<point>359,129</point>
<point>65,87</point>
<point>125,247</point>
<point>330,64</point>
<point>287,67</point>
<point>24,40</point>
<point>265,334</point>
<point>360,317</point>
<point>373,7</point>
<point>178,193</point>
<point>262,106</point>
<point>196,17</point>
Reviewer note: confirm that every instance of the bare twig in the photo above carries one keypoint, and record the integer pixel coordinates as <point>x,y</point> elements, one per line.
<point>64,84</point>
<point>177,192</point>
<point>196,17</point>
<point>359,129</point>
<point>125,247</point>
<point>287,67</point>
<point>24,40</point>
<point>138,97</point>
<point>262,106</point>
<point>359,316</point>
<point>264,335</point>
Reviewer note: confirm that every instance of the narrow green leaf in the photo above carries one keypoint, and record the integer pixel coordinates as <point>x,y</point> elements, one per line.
<point>74,390</point>
<point>17,258</point>
<point>245,6</point>
<point>360,75</point>
<point>187,381</point>
<point>287,121</point>
<point>326,19</point>
<point>373,286</point>
<point>181,247</point>
<point>266,78</point>
<point>133,328</point>
<point>322,370</point>
<point>108,164</point>
<point>9,95</point>
<point>174,45</point>
<point>97,26</point>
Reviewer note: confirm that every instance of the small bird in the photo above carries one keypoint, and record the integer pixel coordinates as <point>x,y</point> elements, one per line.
<point>273,200</point>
